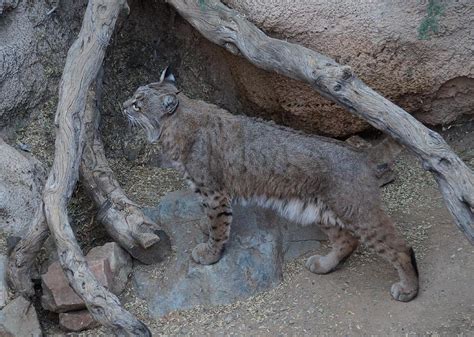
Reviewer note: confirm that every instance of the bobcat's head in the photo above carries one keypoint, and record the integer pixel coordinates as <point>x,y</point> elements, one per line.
<point>151,104</point>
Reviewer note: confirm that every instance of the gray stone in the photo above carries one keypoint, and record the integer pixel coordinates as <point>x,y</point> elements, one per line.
<point>120,263</point>
<point>77,320</point>
<point>21,182</point>
<point>252,262</point>
<point>19,319</point>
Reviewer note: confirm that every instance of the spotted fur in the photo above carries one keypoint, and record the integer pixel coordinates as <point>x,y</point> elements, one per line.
<point>308,179</point>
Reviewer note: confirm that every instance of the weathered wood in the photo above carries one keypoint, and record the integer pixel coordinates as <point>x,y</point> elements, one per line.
<point>121,217</point>
<point>23,255</point>
<point>227,28</point>
<point>83,62</point>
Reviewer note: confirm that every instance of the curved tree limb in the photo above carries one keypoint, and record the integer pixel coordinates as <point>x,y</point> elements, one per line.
<point>83,62</point>
<point>225,27</point>
<point>23,256</point>
<point>122,218</point>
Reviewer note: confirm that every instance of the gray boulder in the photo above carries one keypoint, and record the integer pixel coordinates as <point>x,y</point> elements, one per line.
<point>252,261</point>
<point>19,319</point>
<point>21,182</point>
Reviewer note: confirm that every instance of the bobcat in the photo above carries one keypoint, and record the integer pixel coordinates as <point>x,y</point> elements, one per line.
<point>306,178</point>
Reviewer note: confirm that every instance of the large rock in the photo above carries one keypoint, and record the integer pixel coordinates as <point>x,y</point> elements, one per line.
<point>429,74</point>
<point>252,261</point>
<point>19,319</point>
<point>21,182</point>
<point>110,264</point>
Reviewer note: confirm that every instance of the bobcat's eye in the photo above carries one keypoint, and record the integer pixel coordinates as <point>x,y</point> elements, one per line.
<point>135,107</point>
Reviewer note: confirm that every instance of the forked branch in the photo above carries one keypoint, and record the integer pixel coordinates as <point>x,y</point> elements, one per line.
<point>83,62</point>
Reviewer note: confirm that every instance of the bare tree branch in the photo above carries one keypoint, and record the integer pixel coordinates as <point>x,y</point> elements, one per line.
<point>83,62</point>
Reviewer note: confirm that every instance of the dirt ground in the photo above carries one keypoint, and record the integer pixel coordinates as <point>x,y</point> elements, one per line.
<point>354,300</point>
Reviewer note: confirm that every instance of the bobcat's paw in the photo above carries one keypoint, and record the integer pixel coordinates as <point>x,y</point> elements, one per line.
<point>403,294</point>
<point>319,264</point>
<point>204,255</point>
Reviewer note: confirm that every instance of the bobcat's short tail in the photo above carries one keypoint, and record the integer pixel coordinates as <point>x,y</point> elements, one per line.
<point>385,152</point>
<point>383,156</point>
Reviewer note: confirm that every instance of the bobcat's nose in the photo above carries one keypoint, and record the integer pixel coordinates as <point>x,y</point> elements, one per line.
<point>127,104</point>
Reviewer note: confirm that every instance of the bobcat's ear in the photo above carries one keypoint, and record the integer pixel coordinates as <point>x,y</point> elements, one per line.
<point>169,103</point>
<point>166,75</point>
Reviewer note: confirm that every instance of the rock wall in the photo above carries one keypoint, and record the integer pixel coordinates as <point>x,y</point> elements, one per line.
<point>417,53</point>
<point>33,46</point>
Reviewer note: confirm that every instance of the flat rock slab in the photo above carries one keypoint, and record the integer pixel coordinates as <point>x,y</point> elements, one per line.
<point>19,319</point>
<point>260,242</point>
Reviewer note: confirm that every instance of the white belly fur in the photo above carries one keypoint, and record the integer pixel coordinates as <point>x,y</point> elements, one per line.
<point>295,210</point>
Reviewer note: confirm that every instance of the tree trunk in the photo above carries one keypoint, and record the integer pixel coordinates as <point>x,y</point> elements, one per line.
<point>227,28</point>
<point>83,62</point>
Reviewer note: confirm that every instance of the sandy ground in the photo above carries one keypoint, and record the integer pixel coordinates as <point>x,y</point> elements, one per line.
<point>354,300</point>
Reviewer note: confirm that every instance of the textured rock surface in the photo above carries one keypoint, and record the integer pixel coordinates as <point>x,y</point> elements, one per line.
<point>77,320</point>
<point>32,51</point>
<point>19,319</point>
<point>21,182</point>
<point>252,260</point>
<point>432,78</point>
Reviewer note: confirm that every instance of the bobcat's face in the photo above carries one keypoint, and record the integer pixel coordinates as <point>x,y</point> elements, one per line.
<point>151,104</point>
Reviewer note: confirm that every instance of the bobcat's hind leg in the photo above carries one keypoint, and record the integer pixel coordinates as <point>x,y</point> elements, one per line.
<point>382,237</point>
<point>343,244</point>
<point>219,211</point>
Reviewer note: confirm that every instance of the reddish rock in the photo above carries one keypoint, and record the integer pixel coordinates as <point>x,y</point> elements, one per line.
<point>58,296</point>
<point>77,320</point>
<point>120,264</point>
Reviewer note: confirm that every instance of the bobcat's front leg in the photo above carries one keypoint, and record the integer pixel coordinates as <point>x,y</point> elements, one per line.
<point>218,208</point>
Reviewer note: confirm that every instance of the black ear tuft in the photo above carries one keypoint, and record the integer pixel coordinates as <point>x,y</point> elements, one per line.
<point>166,75</point>
<point>169,103</point>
